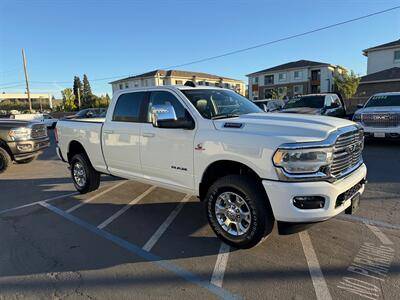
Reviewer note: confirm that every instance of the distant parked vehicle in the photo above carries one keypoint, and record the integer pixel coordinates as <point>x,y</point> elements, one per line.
<point>88,113</point>
<point>328,104</point>
<point>380,116</point>
<point>270,105</point>
<point>48,120</point>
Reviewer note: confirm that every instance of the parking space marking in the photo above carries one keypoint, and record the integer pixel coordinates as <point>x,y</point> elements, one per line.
<point>37,202</point>
<point>95,196</point>
<point>379,234</point>
<point>217,277</point>
<point>318,280</point>
<point>369,221</point>
<point>126,207</point>
<point>137,250</point>
<point>163,227</point>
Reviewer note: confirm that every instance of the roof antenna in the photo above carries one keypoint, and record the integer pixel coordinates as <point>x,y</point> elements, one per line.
<point>190,83</point>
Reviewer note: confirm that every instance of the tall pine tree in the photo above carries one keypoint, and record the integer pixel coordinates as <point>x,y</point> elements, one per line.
<point>78,91</point>
<point>87,96</point>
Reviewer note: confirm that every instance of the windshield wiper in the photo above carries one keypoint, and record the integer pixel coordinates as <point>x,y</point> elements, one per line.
<point>224,116</point>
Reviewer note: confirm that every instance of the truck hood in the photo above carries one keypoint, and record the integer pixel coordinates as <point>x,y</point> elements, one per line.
<point>302,110</point>
<point>289,127</point>
<point>379,109</point>
<point>13,123</point>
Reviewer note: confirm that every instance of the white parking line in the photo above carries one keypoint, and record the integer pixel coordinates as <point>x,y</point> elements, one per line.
<point>126,207</point>
<point>94,197</point>
<point>163,227</point>
<point>217,277</point>
<point>379,234</point>
<point>318,280</point>
<point>37,202</point>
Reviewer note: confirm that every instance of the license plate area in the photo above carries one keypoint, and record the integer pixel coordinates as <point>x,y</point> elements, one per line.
<point>379,134</point>
<point>349,194</point>
<point>355,204</point>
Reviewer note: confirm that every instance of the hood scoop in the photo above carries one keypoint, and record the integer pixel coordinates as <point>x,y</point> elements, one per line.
<point>233,125</point>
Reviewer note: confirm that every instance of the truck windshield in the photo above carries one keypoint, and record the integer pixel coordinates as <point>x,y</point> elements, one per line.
<point>308,101</point>
<point>384,100</point>
<point>213,104</point>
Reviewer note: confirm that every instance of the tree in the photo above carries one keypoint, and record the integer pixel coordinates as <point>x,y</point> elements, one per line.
<point>68,99</point>
<point>346,84</point>
<point>87,96</point>
<point>78,90</point>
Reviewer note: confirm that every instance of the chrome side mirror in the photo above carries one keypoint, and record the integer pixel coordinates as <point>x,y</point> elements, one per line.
<point>162,112</point>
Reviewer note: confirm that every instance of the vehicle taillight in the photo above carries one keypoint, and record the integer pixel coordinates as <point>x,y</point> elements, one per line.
<point>56,134</point>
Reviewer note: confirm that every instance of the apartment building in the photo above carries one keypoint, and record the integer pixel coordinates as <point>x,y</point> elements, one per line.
<point>177,77</point>
<point>293,78</point>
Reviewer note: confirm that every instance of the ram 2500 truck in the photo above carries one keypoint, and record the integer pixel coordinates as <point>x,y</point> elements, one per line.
<point>21,141</point>
<point>251,168</point>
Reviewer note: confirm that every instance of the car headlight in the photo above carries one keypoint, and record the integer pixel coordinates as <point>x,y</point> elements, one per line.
<point>20,134</point>
<point>357,118</point>
<point>298,161</point>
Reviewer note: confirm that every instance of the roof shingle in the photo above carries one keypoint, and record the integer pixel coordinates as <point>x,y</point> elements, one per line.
<point>292,65</point>
<point>388,74</point>
<point>386,45</point>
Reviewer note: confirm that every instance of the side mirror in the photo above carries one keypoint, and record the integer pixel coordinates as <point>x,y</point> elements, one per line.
<point>89,114</point>
<point>164,116</point>
<point>359,105</point>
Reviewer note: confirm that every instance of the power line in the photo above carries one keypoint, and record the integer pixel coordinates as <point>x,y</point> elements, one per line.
<point>229,53</point>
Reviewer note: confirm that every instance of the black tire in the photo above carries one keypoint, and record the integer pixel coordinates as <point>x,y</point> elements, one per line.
<point>27,160</point>
<point>91,176</point>
<point>5,160</point>
<point>262,218</point>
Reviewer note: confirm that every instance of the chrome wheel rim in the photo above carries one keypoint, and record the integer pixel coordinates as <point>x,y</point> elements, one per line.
<point>233,213</point>
<point>79,174</point>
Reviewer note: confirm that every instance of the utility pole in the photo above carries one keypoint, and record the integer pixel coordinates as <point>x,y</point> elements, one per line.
<point>27,81</point>
<point>79,98</point>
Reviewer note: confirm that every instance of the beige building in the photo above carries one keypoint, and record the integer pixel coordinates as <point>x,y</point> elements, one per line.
<point>44,99</point>
<point>177,77</point>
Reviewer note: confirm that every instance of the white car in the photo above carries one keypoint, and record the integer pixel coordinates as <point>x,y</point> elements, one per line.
<point>380,116</point>
<point>249,167</point>
<point>48,120</point>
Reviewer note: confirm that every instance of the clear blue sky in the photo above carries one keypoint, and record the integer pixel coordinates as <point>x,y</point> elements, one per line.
<point>63,38</point>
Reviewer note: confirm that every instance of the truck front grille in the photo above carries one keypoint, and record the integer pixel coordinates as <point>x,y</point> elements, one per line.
<point>347,152</point>
<point>38,131</point>
<point>381,120</point>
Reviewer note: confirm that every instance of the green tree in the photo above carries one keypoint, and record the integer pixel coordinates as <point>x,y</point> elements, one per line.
<point>68,99</point>
<point>346,84</point>
<point>78,90</point>
<point>87,96</point>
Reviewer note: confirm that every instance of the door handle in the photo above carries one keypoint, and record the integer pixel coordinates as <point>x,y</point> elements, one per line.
<point>148,134</point>
<point>108,131</point>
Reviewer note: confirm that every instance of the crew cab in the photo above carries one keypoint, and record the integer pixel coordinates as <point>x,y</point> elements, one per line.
<point>328,104</point>
<point>380,116</point>
<point>251,168</point>
<point>21,141</point>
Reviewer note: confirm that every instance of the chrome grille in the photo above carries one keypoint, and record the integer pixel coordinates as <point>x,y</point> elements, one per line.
<point>381,119</point>
<point>347,152</point>
<point>38,131</point>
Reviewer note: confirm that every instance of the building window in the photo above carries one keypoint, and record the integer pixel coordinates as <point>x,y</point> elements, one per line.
<point>207,83</point>
<point>164,82</point>
<point>282,91</point>
<point>126,85</point>
<point>227,85</point>
<point>298,90</point>
<point>255,80</point>
<point>282,76</point>
<point>297,74</point>
<point>178,82</point>
<point>121,86</point>
<point>268,79</point>
<point>200,83</point>
<point>397,56</point>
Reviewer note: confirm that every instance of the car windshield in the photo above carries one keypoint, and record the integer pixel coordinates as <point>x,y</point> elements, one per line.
<point>384,100</point>
<point>307,101</point>
<point>213,104</point>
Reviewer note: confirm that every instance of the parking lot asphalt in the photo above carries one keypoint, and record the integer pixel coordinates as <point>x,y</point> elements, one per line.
<point>131,240</point>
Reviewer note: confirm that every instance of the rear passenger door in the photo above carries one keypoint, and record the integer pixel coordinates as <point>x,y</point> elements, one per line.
<point>121,135</point>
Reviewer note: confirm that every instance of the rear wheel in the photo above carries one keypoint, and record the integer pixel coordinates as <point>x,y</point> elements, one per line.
<point>5,160</point>
<point>238,211</point>
<point>84,176</point>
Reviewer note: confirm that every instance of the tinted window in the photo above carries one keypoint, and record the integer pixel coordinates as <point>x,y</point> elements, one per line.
<point>163,98</point>
<point>307,101</point>
<point>128,106</point>
<point>384,100</point>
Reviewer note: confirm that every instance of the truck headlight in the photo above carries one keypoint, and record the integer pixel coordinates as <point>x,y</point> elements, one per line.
<point>298,161</point>
<point>20,134</point>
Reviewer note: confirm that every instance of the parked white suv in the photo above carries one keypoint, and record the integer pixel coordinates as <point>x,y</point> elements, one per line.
<point>380,116</point>
<point>249,167</point>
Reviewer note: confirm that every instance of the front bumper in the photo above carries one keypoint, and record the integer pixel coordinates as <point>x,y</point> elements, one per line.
<point>281,196</point>
<point>26,149</point>
<point>388,132</point>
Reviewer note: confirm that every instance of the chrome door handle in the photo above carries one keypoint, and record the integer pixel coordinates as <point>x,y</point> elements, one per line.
<point>148,134</point>
<point>108,131</point>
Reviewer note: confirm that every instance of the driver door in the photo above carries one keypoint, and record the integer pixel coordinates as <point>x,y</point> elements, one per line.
<point>166,154</point>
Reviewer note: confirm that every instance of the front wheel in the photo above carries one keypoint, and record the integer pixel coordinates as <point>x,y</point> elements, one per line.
<point>238,211</point>
<point>5,160</point>
<point>84,176</point>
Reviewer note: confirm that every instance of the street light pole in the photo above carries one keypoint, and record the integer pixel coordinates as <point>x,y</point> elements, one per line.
<point>27,81</point>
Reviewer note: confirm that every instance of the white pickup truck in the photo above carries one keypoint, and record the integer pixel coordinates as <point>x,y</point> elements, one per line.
<point>249,167</point>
